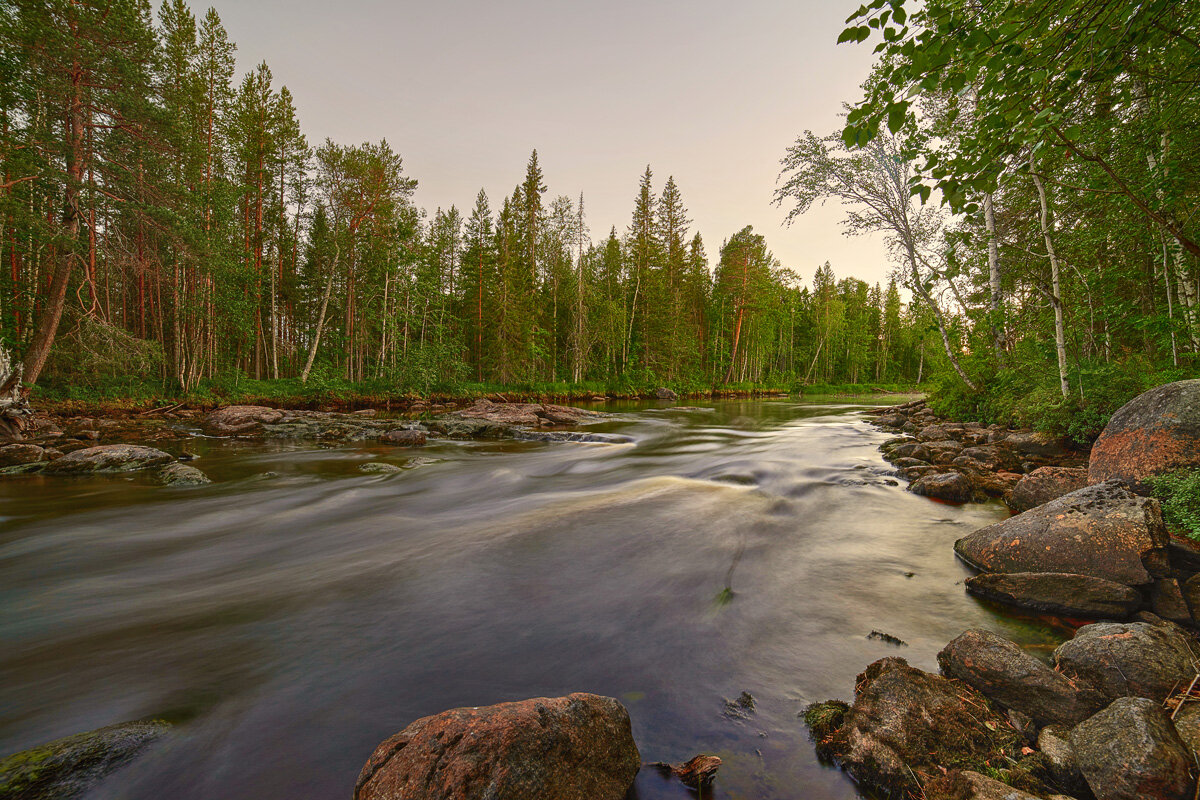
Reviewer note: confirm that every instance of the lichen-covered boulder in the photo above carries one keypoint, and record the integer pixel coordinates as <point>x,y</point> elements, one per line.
<point>578,747</point>
<point>906,725</point>
<point>240,420</point>
<point>12,455</point>
<point>1156,432</point>
<point>1058,593</point>
<point>1104,531</point>
<point>1007,674</point>
<point>1135,659</point>
<point>968,785</point>
<point>108,458</point>
<point>1131,751</point>
<point>1045,484</point>
<point>67,768</point>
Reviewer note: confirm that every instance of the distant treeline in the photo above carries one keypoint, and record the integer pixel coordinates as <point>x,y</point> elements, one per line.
<point>161,218</point>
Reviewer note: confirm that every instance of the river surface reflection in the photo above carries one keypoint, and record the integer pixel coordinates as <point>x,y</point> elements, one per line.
<point>290,621</point>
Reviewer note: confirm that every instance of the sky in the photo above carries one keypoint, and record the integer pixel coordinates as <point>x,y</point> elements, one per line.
<point>711,92</point>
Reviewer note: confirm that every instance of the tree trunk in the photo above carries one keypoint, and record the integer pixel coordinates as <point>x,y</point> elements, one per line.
<point>1060,339</point>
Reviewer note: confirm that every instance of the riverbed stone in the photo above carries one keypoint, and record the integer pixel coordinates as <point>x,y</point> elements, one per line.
<point>1137,659</point>
<point>1168,602</point>
<point>1059,593</point>
<point>953,487</point>
<point>379,468</point>
<point>1045,484</point>
<point>1104,531</point>
<point>1187,725</point>
<point>108,458</point>
<point>177,474</point>
<point>1007,674</point>
<point>968,785</point>
<point>1037,444</point>
<point>906,725</point>
<point>240,420</point>
<point>1154,433</point>
<point>12,455</point>
<point>404,437</point>
<point>995,484</point>
<point>578,747</point>
<point>68,768</point>
<point>910,450</point>
<point>1131,751</point>
<point>1055,743</point>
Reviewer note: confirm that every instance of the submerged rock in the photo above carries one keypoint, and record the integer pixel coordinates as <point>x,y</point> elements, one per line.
<point>67,768</point>
<point>1156,432</point>
<point>525,414</point>
<point>578,747</point>
<point>108,458</point>
<point>906,725</point>
<point>1137,659</point>
<point>1058,593</point>
<point>1130,751</point>
<point>1104,531</point>
<point>696,773</point>
<point>1014,679</point>
<point>181,475</point>
<point>1045,484</point>
<point>378,467</point>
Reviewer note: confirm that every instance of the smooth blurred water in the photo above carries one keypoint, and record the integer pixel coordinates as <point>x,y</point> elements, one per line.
<point>290,622</point>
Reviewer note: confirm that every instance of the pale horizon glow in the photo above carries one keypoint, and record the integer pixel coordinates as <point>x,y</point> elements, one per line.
<point>708,92</point>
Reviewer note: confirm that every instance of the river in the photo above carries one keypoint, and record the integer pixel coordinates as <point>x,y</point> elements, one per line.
<point>288,622</point>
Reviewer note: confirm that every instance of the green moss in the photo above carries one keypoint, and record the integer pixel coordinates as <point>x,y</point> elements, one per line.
<point>1179,493</point>
<point>823,719</point>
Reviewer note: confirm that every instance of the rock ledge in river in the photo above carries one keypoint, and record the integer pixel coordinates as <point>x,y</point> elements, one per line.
<point>108,458</point>
<point>67,768</point>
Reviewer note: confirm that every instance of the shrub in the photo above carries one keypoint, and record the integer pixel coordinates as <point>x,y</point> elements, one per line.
<point>1179,493</point>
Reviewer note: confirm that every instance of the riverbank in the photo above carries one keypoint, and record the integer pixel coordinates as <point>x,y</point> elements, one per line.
<point>1116,716</point>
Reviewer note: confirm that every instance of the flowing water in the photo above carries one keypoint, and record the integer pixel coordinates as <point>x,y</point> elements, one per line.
<point>297,612</point>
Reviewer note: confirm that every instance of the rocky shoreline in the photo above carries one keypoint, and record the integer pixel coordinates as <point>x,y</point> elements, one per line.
<point>1116,714</point>
<point>91,446</point>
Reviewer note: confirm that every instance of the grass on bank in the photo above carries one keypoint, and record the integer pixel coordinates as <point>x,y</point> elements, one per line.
<point>1179,493</point>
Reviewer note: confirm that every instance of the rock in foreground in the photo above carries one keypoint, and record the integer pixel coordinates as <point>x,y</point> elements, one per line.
<point>905,725</point>
<point>1104,531</point>
<point>578,747</point>
<point>67,768</point>
<point>1010,676</point>
<point>1130,751</point>
<point>1155,432</point>
<point>1129,659</point>
<point>108,458</point>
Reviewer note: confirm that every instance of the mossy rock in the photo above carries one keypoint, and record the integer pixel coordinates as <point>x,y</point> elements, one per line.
<point>66,768</point>
<point>823,719</point>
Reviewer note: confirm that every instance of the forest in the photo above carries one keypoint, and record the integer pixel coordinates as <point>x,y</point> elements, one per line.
<point>168,228</point>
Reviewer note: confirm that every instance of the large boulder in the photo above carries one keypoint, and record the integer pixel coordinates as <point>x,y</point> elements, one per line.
<point>1187,725</point>
<point>1137,659</point>
<point>108,458</point>
<point>1014,679</point>
<point>1155,432</point>
<point>1045,484</point>
<point>578,747</point>
<point>1130,751</point>
<point>1058,593</point>
<point>953,487</point>
<point>906,725</point>
<point>68,768</point>
<point>1104,531</point>
<point>240,420</point>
